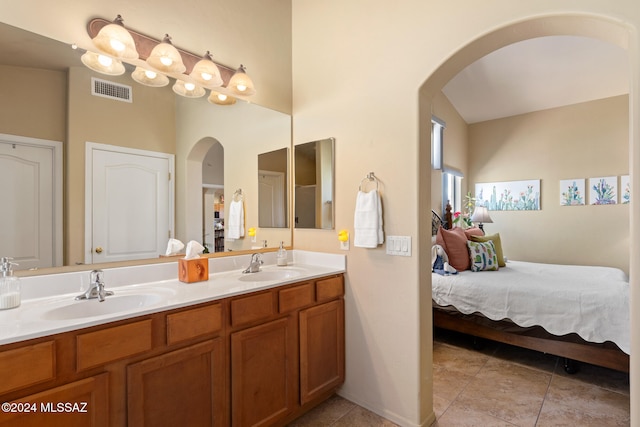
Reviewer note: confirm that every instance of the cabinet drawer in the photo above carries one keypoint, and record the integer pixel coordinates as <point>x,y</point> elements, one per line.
<point>193,323</point>
<point>107,345</point>
<point>26,366</point>
<point>251,308</point>
<point>296,297</point>
<point>327,289</point>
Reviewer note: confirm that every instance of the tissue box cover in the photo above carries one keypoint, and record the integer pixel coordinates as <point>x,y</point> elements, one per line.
<point>193,270</point>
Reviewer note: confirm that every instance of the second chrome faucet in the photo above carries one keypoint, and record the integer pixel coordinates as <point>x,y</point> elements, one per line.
<point>96,287</point>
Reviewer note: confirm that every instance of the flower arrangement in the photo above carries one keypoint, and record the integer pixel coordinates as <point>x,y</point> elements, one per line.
<point>464,218</point>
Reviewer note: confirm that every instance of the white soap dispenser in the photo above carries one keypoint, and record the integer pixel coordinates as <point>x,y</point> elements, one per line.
<point>281,256</point>
<point>9,285</point>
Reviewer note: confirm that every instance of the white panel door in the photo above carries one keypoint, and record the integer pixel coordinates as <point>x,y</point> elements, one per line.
<point>271,208</point>
<point>30,201</point>
<point>130,204</point>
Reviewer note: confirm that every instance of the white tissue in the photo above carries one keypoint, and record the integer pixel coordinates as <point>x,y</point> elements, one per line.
<point>174,247</point>
<point>193,250</point>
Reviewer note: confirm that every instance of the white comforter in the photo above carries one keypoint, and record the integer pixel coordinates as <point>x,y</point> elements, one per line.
<point>590,301</point>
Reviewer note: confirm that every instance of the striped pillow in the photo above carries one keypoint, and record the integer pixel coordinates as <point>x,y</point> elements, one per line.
<point>483,256</point>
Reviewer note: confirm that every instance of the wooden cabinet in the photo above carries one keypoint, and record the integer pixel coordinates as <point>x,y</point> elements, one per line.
<point>321,349</point>
<point>183,387</point>
<point>257,359</point>
<point>263,376</point>
<point>83,403</point>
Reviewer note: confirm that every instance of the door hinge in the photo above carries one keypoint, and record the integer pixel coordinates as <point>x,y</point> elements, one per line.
<point>169,233</point>
<point>169,176</point>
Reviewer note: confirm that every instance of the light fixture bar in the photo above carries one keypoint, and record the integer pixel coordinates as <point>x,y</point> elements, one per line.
<point>144,45</point>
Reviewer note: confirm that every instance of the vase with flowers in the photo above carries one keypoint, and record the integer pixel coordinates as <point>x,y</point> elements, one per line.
<point>463,219</point>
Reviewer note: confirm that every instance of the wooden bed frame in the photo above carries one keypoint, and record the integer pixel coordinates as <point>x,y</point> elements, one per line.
<point>571,347</point>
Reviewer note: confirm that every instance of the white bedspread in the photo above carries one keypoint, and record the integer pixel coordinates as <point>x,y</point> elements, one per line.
<point>590,301</point>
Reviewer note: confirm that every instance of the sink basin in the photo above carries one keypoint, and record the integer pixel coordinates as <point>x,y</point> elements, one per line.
<point>111,305</point>
<point>270,275</point>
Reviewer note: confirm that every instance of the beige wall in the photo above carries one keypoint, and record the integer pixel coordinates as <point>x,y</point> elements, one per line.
<point>579,141</point>
<point>34,103</point>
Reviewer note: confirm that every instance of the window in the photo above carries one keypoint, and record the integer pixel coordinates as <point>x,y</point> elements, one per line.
<point>437,139</point>
<point>452,189</point>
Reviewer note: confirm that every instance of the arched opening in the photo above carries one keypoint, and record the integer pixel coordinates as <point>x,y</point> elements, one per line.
<point>588,26</point>
<point>204,185</point>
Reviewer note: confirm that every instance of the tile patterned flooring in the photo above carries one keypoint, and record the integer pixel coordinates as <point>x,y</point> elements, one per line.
<point>500,385</point>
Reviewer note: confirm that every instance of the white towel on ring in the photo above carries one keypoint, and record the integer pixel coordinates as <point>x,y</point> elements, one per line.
<point>235,222</point>
<point>367,221</point>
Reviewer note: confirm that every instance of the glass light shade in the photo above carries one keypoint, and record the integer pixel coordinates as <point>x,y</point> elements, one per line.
<point>113,39</point>
<point>240,83</point>
<point>220,98</point>
<point>149,77</point>
<point>165,57</point>
<point>206,72</point>
<point>102,64</point>
<point>188,89</point>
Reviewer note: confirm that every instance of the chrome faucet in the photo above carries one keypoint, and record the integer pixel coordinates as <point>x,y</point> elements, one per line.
<point>254,265</point>
<point>96,288</point>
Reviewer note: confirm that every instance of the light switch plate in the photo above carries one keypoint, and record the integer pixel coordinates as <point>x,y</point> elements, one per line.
<point>399,245</point>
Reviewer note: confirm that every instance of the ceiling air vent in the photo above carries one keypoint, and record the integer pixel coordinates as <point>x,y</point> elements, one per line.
<point>111,90</point>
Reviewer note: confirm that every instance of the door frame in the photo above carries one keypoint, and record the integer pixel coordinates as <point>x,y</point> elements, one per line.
<point>57,214</point>
<point>88,190</point>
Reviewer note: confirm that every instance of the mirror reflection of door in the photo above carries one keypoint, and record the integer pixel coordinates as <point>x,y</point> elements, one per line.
<point>213,199</point>
<point>31,212</point>
<point>129,203</point>
<point>272,189</point>
<point>314,184</point>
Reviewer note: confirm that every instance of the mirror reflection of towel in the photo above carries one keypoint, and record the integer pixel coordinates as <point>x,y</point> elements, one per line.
<point>235,222</point>
<point>367,221</point>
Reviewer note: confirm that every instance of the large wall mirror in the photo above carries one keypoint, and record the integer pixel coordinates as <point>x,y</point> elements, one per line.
<point>314,184</point>
<point>208,151</point>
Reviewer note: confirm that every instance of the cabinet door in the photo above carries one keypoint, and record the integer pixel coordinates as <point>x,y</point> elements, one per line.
<point>321,349</point>
<point>181,388</point>
<point>81,403</point>
<point>263,373</point>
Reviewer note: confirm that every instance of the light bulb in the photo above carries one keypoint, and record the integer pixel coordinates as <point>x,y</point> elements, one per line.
<point>222,97</point>
<point>151,74</point>
<point>206,76</point>
<point>189,86</point>
<point>117,45</point>
<point>166,61</point>
<point>104,60</point>
<point>241,88</point>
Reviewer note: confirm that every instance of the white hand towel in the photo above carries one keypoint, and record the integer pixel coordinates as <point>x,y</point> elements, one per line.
<point>235,222</point>
<point>367,221</point>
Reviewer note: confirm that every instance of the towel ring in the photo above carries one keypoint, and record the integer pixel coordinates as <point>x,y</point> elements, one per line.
<point>237,195</point>
<point>369,178</point>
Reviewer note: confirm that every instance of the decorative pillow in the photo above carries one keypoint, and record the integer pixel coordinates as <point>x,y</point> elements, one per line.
<point>495,238</point>
<point>473,231</point>
<point>482,256</point>
<point>454,243</point>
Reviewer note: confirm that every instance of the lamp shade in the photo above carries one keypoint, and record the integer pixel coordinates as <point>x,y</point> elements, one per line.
<point>188,89</point>
<point>113,39</point>
<point>206,72</point>
<point>149,77</point>
<point>481,215</point>
<point>240,83</point>
<point>220,98</point>
<point>165,57</point>
<point>102,64</point>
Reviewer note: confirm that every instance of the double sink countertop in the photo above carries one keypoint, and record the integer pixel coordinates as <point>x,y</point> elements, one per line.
<point>49,306</point>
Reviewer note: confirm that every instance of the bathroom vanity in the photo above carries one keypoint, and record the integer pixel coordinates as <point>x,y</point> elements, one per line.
<point>256,350</point>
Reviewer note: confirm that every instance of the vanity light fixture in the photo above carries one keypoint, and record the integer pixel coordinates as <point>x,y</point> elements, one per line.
<point>102,63</point>
<point>241,83</point>
<point>149,77</point>
<point>166,58</point>
<point>188,89</point>
<point>206,72</point>
<point>220,98</point>
<point>115,40</point>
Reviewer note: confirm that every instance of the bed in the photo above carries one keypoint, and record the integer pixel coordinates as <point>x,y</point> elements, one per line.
<point>580,313</point>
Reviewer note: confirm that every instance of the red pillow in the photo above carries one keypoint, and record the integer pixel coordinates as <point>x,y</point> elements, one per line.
<point>473,231</point>
<point>454,243</point>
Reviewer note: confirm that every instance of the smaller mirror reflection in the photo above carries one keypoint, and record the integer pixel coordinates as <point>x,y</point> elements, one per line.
<point>314,184</point>
<point>272,189</point>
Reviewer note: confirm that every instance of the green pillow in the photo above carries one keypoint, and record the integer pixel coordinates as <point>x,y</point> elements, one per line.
<point>483,256</point>
<point>495,238</point>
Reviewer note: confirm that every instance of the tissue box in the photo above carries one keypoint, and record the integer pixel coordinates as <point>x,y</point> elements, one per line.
<point>193,270</point>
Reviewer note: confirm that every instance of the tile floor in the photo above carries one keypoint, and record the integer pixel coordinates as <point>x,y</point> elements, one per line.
<point>501,385</point>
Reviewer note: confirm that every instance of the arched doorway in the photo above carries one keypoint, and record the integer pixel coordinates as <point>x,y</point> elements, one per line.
<point>588,26</point>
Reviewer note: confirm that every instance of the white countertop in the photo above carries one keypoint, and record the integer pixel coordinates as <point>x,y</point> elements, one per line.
<point>47,300</point>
